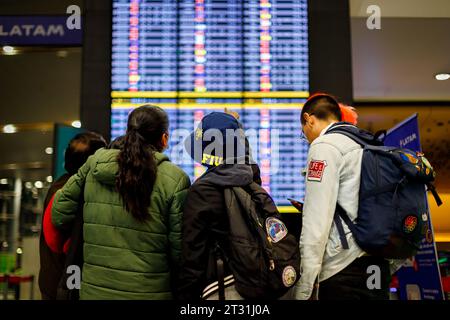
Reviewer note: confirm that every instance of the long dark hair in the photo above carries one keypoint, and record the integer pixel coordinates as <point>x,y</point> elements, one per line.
<point>137,165</point>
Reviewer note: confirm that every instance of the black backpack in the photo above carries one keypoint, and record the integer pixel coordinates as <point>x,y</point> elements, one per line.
<point>264,245</point>
<point>392,212</point>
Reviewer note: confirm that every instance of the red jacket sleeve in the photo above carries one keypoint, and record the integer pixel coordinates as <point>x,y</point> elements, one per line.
<point>53,237</point>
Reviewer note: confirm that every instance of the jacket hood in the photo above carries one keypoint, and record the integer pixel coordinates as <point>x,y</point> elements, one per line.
<point>105,167</point>
<point>231,175</point>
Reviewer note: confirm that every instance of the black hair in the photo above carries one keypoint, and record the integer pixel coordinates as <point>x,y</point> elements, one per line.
<point>80,148</point>
<point>137,165</point>
<point>323,107</point>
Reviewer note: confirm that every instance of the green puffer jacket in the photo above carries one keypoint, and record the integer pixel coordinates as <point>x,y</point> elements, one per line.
<point>124,258</point>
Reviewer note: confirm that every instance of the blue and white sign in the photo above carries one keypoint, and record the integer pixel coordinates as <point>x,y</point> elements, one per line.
<point>38,30</point>
<point>419,278</point>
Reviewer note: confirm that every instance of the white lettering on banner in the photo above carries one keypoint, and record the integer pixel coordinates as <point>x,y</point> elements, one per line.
<point>27,30</point>
<point>408,139</point>
<point>55,30</point>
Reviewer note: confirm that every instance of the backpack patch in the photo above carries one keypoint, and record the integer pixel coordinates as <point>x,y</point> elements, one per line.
<point>289,276</point>
<point>409,224</point>
<point>276,229</point>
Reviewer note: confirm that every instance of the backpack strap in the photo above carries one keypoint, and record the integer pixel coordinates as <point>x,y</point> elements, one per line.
<point>354,137</point>
<point>436,197</point>
<point>341,213</point>
<point>340,228</point>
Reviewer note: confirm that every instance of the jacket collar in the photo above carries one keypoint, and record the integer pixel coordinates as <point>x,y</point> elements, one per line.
<point>326,129</point>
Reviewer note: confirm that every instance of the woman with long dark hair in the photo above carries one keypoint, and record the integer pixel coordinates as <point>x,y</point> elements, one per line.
<point>133,201</point>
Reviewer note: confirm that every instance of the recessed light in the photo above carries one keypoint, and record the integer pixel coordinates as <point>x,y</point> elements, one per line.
<point>49,150</point>
<point>38,184</point>
<point>9,128</point>
<point>8,50</point>
<point>442,76</point>
<point>76,124</point>
<point>28,185</point>
<point>61,54</point>
<point>49,179</point>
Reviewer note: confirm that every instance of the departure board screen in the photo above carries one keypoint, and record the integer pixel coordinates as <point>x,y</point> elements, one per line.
<point>195,57</point>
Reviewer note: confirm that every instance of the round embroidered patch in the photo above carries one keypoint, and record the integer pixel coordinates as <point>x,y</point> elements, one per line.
<point>289,276</point>
<point>409,224</point>
<point>275,229</point>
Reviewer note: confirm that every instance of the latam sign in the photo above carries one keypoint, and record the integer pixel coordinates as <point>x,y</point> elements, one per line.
<point>38,30</point>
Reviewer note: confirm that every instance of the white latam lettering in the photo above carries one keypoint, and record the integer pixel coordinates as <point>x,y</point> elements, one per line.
<point>27,28</point>
<point>15,30</point>
<point>3,33</point>
<point>55,30</point>
<point>39,31</point>
<point>33,30</point>
<point>407,140</point>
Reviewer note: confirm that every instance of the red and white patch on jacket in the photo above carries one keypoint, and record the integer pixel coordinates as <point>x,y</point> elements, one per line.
<point>316,169</point>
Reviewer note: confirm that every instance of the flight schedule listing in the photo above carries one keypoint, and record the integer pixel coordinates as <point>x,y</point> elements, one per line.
<point>195,57</point>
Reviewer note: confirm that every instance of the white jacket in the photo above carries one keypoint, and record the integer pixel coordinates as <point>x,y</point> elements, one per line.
<point>333,174</point>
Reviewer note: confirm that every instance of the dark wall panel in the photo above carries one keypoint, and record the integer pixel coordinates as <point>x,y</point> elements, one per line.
<point>330,48</point>
<point>95,85</point>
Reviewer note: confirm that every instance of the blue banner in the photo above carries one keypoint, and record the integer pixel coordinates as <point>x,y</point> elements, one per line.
<point>419,278</point>
<point>38,30</point>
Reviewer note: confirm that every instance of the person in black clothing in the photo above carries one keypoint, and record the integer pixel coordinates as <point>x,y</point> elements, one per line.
<point>52,263</point>
<point>205,219</point>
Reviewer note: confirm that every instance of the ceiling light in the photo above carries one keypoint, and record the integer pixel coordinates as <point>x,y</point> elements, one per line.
<point>8,50</point>
<point>28,185</point>
<point>76,124</point>
<point>4,181</point>
<point>49,150</point>
<point>61,54</point>
<point>49,179</point>
<point>442,76</point>
<point>38,184</point>
<point>9,128</point>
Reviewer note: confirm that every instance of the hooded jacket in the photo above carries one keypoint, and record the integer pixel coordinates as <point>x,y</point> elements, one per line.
<point>124,258</point>
<point>333,176</point>
<point>205,223</point>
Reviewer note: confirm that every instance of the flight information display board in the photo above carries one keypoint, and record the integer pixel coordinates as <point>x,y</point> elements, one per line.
<point>195,57</point>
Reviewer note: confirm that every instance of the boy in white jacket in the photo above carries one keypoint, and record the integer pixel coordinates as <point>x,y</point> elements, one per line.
<point>332,176</point>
